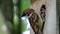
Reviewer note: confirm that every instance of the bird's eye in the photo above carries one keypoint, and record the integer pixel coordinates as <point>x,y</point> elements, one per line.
<point>27,14</point>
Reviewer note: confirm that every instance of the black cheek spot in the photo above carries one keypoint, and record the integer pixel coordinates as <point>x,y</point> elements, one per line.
<point>28,14</point>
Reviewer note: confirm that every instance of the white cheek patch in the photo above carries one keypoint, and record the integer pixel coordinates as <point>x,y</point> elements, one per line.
<point>26,20</point>
<point>28,27</point>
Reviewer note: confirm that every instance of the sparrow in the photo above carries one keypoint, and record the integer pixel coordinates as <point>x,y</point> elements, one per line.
<point>34,20</point>
<point>43,15</point>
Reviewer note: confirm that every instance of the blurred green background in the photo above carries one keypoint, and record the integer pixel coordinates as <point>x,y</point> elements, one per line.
<point>12,10</point>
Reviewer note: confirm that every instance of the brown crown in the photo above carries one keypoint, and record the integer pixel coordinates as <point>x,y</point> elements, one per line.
<point>27,11</point>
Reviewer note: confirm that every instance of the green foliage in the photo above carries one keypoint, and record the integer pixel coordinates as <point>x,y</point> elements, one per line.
<point>25,4</point>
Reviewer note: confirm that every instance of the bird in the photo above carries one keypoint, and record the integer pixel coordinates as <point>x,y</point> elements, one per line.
<point>34,20</point>
<point>43,15</point>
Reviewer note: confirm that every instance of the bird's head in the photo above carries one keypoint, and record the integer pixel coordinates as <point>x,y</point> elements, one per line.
<point>25,16</point>
<point>27,12</point>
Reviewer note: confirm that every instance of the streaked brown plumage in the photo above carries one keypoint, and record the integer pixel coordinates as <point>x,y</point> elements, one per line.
<point>34,22</point>
<point>33,19</point>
